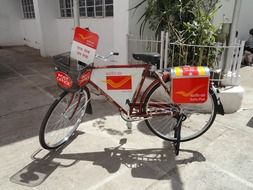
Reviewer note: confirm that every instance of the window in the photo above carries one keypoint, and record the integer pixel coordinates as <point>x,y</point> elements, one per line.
<point>28,9</point>
<point>66,7</point>
<point>88,8</point>
<point>108,7</point>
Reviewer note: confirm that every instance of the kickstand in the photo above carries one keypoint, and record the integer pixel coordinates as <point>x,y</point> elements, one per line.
<point>177,133</point>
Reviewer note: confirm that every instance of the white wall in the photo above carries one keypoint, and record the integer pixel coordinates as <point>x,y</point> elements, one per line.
<point>56,33</point>
<point>134,16</point>
<point>245,20</point>
<point>64,29</point>
<point>53,35</point>
<point>225,13</point>
<point>112,32</point>
<point>30,33</point>
<point>10,14</point>
<point>102,26</point>
<point>121,29</point>
<point>46,15</point>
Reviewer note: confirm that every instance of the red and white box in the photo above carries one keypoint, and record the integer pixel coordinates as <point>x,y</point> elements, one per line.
<point>84,45</point>
<point>190,84</point>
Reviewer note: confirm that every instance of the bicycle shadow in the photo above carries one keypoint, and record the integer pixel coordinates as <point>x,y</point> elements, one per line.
<point>100,118</point>
<point>40,169</point>
<point>158,163</point>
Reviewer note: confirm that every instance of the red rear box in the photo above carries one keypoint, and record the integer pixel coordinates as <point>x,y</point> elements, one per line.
<point>189,84</point>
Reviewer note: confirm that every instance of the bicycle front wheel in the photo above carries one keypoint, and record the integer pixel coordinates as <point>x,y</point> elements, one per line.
<point>199,117</point>
<point>63,118</point>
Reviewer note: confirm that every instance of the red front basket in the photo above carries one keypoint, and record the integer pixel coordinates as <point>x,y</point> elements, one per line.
<point>189,84</point>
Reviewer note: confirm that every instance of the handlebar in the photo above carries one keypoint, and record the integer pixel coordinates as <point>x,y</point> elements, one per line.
<point>105,58</point>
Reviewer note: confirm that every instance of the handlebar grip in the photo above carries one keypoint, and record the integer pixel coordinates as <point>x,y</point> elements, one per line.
<point>115,53</point>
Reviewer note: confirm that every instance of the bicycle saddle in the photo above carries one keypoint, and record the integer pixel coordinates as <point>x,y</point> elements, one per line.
<point>153,58</point>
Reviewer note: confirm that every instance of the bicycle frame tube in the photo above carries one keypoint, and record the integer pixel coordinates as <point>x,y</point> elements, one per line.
<point>120,84</point>
<point>158,79</point>
<point>133,100</point>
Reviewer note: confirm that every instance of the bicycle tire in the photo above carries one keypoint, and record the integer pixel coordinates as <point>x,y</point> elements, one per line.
<point>192,127</point>
<point>66,112</point>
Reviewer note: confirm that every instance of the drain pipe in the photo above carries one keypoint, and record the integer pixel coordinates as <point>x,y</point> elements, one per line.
<point>76,13</point>
<point>76,22</point>
<point>232,36</point>
<point>236,15</point>
<point>227,69</point>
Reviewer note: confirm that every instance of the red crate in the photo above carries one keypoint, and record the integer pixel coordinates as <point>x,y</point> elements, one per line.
<point>189,84</point>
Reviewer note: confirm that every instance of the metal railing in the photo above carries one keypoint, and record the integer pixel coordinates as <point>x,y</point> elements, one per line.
<point>224,61</point>
<point>142,45</point>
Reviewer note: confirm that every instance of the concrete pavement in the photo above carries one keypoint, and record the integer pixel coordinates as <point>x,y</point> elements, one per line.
<point>104,154</point>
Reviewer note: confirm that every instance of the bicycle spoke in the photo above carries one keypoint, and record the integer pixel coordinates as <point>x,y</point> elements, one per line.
<point>64,119</point>
<point>199,117</point>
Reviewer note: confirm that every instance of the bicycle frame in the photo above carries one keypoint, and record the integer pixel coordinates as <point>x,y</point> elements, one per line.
<point>122,85</point>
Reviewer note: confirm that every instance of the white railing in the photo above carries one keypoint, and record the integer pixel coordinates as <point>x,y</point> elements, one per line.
<point>224,61</point>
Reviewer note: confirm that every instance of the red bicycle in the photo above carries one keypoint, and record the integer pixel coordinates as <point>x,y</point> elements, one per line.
<point>122,85</point>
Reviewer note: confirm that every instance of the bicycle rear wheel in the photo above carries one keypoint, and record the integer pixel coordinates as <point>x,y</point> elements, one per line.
<point>63,118</point>
<point>199,117</point>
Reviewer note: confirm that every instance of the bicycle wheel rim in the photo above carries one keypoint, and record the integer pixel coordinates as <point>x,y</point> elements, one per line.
<point>197,121</point>
<point>65,118</point>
